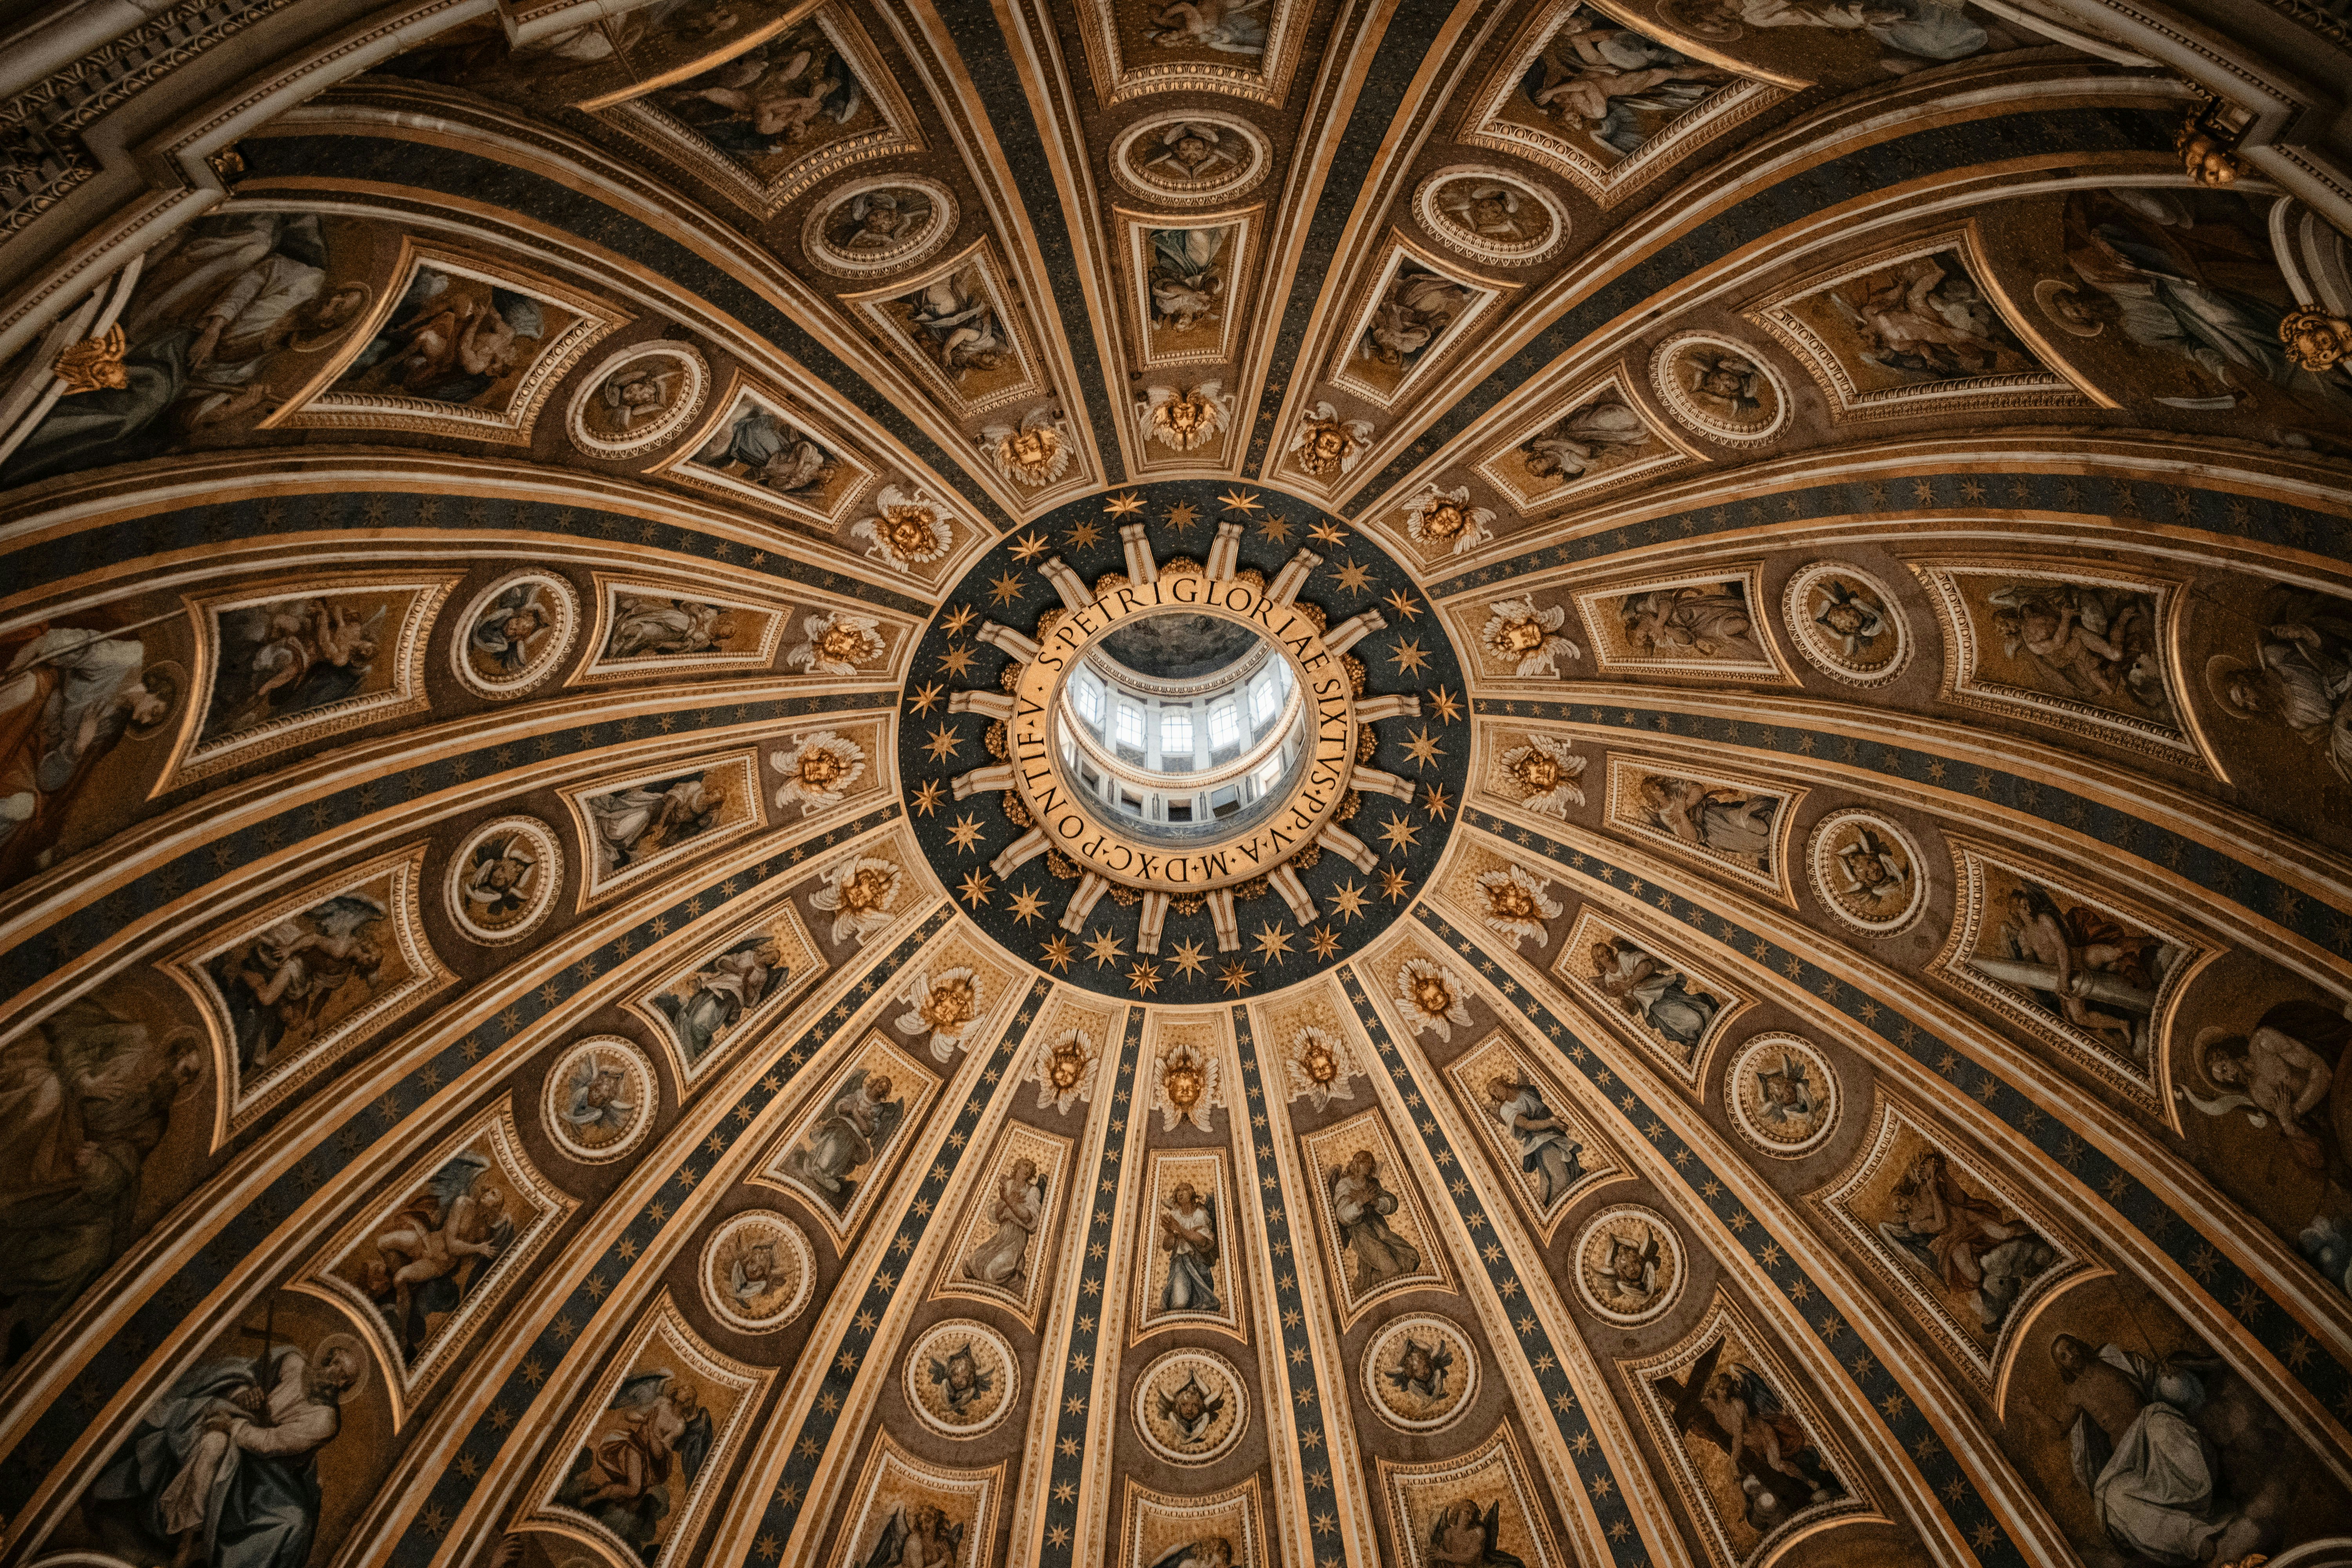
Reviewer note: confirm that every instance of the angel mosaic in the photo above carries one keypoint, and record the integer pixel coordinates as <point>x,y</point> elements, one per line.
<point>1227,26</point>
<point>1866,871</point>
<point>1525,639</point>
<point>917,1535</point>
<point>959,1379</point>
<point>836,642</point>
<point>772,97</point>
<point>1547,769</point>
<point>500,878</point>
<point>2078,963</point>
<point>453,339</point>
<point>1414,310</point>
<point>1444,520</point>
<point>1691,621</point>
<point>1591,438</point>
<point>1788,1102</point>
<point>1549,1153</point>
<point>1464,1535</point>
<point>762,448</point>
<point>646,626</point>
<point>1984,1255</point>
<point>1318,1065</point>
<point>1187,282</point>
<point>1431,998</point>
<point>1186,419</point>
<point>1209,1552</point>
<point>849,1135</point>
<point>1741,823</point>
<point>437,1248</point>
<point>712,999</point>
<point>1360,1206</point>
<point>1325,444</point>
<point>1518,903</point>
<point>1925,318</point>
<point>1777,1470</point>
<point>1628,1270</point>
<point>908,530</point>
<point>1672,1005</point>
<point>1187,1224</point>
<point>599,1099</point>
<point>1613,84</point>
<point>68,697</point>
<point>816,772</point>
<point>1852,619</point>
<point>953,319</point>
<point>861,893</point>
<point>635,823</point>
<point>1034,452</point>
<point>1189,151</point>
<point>641,1458</point>
<point>879,221</point>
<point>295,980</point>
<point>1190,1413</point>
<point>293,656</point>
<point>1016,1207</point>
<point>1065,1071</point>
<point>2299,676</point>
<point>1421,1371</point>
<point>503,639</point>
<point>638,393</point>
<point>942,1005</point>
<point>1494,210</point>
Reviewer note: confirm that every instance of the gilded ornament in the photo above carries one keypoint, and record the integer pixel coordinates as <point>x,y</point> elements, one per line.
<point>93,365</point>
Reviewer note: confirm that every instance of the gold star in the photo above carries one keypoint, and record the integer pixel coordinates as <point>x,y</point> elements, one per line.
<point>956,660</point>
<point>1188,959</point>
<point>1056,954</point>
<point>966,832</point>
<point>1407,655</point>
<point>1004,588</point>
<point>1393,886</point>
<point>1401,835</point>
<point>1084,534</point>
<point>943,743</point>
<point>1402,602</point>
<point>1127,505</point>
<point>1235,501</point>
<point>1328,533</point>
<point>974,890</point>
<point>1347,901</point>
<point>923,702</point>
<point>926,799</point>
<point>957,618</point>
<point>1027,550</point>
<point>1235,977</point>
<point>1274,528</point>
<point>1438,803</point>
<point>1182,515</point>
<point>1353,577</point>
<point>1271,943</point>
<point>1143,977</point>
<point>1104,948</point>
<point>1423,748</point>
<point>1027,906</point>
<point>1445,705</point>
<point>1326,942</point>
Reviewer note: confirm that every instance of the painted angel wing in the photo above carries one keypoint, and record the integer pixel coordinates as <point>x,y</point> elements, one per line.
<point>636,1393</point>
<point>455,1178</point>
<point>345,914</point>
<point>892,1548</point>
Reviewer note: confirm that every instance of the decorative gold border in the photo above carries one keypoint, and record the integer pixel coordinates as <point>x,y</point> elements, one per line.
<point>550,892</point>
<point>667,424</point>
<point>1794,620</point>
<point>565,632</point>
<point>1146,1318</point>
<point>1137,226</point>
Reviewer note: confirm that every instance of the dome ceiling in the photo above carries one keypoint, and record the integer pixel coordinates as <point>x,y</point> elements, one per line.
<point>1794,1009</point>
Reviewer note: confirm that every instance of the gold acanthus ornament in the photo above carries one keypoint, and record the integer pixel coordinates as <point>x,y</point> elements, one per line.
<point>93,365</point>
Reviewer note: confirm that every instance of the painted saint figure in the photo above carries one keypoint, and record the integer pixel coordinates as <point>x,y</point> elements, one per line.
<point>67,698</point>
<point>847,1136</point>
<point>637,1466</point>
<point>1986,1258</point>
<point>1016,1206</point>
<point>1188,1235</point>
<point>440,1244</point>
<point>2149,1470</point>
<point>1362,1207</point>
<point>509,624</point>
<point>1465,1536</point>
<point>917,1536</point>
<point>718,994</point>
<point>1547,1152</point>
<point>1655,992</point>
<point>1713,817</point>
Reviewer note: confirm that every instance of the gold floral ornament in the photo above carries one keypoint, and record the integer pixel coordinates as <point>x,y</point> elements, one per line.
<point>1432,997</point>
<point>2205,155</point>
<point>836,643</point>
<point>1065,1071</point>
<point>1518,903</point>
<point>1323,444</point>
<point>1526,638</point>
<point>943,1006</point>
<point>1444,520</point>
<point>93,365</point>
<point>1318,1066</point>
<point>818,771</point>
<point>906,530</point>
<point>1547,770</point>
<point>1186,1088</point>
<point>1034,452</point>
<point>2316,340</point>
<point>1185,420</point>
<point>859,892</point>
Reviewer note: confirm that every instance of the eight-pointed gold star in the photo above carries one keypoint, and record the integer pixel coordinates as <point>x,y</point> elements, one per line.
<point>1352,576</point>
<point>956,660</point>
<point>1408,654</point>
<point>975,889</point>
<point>926,799</point>
<point>1188,958</point>
<point>1084,534</point>
<point>1272,941</point>
<point>1239,501</point>
<point>1274,528</point>
<point>1423,748</point>
<point>957,618</point>
<point>1328,533</point>
<point>1026,905</point>
<point>1126,505</point>
<point>923,702</point>
<point>1445,705</point>
<point>1143,977</point>
<point>1347,901</point>
<point>1326,941</point>
<point>1104,948</point>
<point>1182,515</point>
<point>1056,955</point>
<point>966,832</point>
<point>943,743</point>
<point>1438,803</point>
<point>1401,835</point>
<point>1402,604</point>
<point>1029,547</point>
<point>1393,884</point>
<point>1236,977</point>
<point>1004,587</point>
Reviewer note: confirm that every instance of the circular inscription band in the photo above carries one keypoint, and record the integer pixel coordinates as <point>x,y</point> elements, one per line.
<point>1217,862</point>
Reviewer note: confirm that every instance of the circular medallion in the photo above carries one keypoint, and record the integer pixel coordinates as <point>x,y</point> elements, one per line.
<point>757,1272</point>
<point>1782,1094</point>
<point>1491,215</point>
<point>1629,1264</point>
<point>1191,160</point>
<point>885,223</point>
<point>514,633</point>
<point>961,1378</point>
<point>1867,871</point>
<point>1422,1372</point>
<point>1191,1406</point>
<point>599,1099</point>
<point>1846,623</point>
<point>1719,388</point>
<point>1055,672</point>
<point>638,398</point>
<point>504,880</point>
